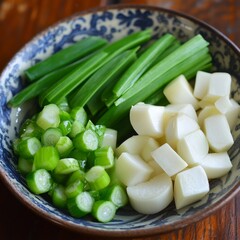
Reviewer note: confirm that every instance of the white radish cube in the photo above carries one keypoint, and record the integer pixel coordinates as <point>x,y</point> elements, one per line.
<point>180,91</point>
<point>110,138</point>
<point>173,109</point>
<point>147,119</point>
<point>218,133</point>
<point>157,170</point>
<point>193,147</point>
<point>206,112</point>
<point>178,127</point>
<point>190,186</point>
<point>201,84</point>
<point>150,145</point>
<point>152,196</point>
<point>169,160</point>
<point>230,108</point>
<point>216,165</point>
<point>132,169</point>
<point>133,145</point>
<point>219,86</point>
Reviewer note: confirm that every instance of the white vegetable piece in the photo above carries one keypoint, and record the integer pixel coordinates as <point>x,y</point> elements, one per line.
<point>147,119</point>
<point>110,138</point>
<point>219,86</point>
<point>178,127</point>
<point>133,145</point>
<point>132,169</point>
<point>228,107</point>
<point>152,196</point>
<point>216,164</point>
<point>193,147</point>
<point>190,186</point>
<point>201,84</point>
<point>218,133</point>
<point>180,91</point>
<point>169,160</point>
<point>157,170</point>
<point>206,112</point>
<point>173,109</point>
<point>150,145</point>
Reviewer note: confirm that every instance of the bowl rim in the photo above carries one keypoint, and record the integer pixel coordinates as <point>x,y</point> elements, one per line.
<point>135,232</point>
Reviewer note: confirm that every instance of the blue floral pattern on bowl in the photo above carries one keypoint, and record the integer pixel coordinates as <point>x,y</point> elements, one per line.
<point>113,24</point>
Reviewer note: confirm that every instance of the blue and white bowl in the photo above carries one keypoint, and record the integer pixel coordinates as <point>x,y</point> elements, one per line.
<point>113,23</point>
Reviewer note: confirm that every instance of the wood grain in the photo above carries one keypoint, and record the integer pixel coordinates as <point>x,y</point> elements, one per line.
<point>20,20</point>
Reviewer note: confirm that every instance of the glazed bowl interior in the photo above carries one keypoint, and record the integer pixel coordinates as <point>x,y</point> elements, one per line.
<point>113,23</point>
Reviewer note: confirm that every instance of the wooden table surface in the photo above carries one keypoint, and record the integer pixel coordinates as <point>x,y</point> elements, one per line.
<point>20,20</point>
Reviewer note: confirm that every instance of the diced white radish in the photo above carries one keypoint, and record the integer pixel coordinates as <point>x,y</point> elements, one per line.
<point>178,127</point>
<point>150,145</point>
<point>219,86</point>
<point>218,133</point>
<point>201,84</point>
<point>132,169</point>
<point>110,138</point>
<point>206,112</point>
<point>180,91</point>
<point>152,196</point>
<point>133,145</point>
<point>216,164</point>
<point>173,109</point>
<point>193,147</point>
<point>228,107</point>
<point>190,186</point>
<point>147,119</point>
<point>157,170</point>
<point>168,160</point>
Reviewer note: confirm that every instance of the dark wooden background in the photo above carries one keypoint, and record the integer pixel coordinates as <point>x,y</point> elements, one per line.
<point>20,20</point>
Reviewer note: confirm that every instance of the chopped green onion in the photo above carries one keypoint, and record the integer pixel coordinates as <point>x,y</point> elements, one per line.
<point>28,147</point>
<point>79,114</point>
<point>39,181</point>
<point>64,146</point>
<point>66,166</point>
<point>74,188</point>
<point>86,141</point>
<point>51,136</point>
<point>104,157</point>
<point>97,178</point>
<point>59,197</point>
<point>24,165</point>
<point>46,157</point>
<point>80,205</point>
<point>103,211</point>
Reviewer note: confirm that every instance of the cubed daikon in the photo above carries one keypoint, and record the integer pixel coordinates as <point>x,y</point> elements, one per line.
<point>157,170</point>
<point>178,127</point>
<point>193,147</point>
<point>179,90</point>
<point>152,196</point>
<point>228,107</point>
<point>206,112</point>
<point>216,164</point>
<point>147,119</point>
<point>201,84</point>
<point>218,133</point>
<point>150,145</point>
<point>168,160</point>
<point>190,186</point>
<point>133,145</point>
<point>219,86</point>
<point>132,169</point>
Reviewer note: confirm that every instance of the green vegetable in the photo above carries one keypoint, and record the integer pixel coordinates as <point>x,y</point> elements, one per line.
<point>74,188</point>
<point>64,57</point>
<point>59,197</point>
<point>86,141</point>
<point>104,211</point>
<point>39,181</point>
<point>109,72</point>
<point>64,146</point>
<point>80,205</point>
<point>142,64</point>
<point>97,178</point>
<point>104,157</point>
<point>46,157</point>
<point>66,166</point>
<point>51,136</point>
<point>28,147</point>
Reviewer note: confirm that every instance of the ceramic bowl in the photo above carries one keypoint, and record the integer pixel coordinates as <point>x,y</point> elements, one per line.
<point>113,23</point>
